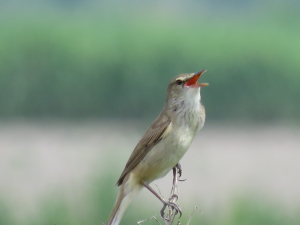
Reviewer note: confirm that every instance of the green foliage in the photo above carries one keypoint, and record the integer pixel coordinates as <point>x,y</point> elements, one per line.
<point>242,212</point>
<point>246,212</point>
<point>5,214</point>
<point>54,210</point>
<point>78,66</point>
<point>97,202</point>
<point>102,197</point>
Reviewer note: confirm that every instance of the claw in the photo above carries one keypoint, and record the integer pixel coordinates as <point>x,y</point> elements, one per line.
<point>162,211</point>
<point>173,205</point>
<point>172,197</point>
<point>178,166</point>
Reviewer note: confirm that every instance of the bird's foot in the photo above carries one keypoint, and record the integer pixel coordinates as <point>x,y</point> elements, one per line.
<point>173,205</point>
<point>171,199</point>
<point>178,166</point>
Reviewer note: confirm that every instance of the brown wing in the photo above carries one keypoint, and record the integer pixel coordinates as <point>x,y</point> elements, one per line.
<point>153,135</point>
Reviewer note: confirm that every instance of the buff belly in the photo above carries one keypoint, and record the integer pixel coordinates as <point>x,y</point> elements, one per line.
<point>162,157</point>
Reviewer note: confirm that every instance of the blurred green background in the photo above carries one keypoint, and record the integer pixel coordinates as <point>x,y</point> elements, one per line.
<point>84,59</point>
<point>72,71</point>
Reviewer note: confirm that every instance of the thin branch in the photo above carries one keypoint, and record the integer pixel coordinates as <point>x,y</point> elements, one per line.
<point>153,217</point>
<point>196,208</point>
<point>173,211</point>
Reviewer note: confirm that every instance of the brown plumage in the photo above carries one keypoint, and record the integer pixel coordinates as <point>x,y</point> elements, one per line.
<point>153,135</point>
<point>165,141</point>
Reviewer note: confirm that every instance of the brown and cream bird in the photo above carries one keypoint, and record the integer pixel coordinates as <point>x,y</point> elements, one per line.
<point>164,143</point>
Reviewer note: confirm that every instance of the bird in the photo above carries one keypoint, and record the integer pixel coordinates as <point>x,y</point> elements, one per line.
<point>164,143</point>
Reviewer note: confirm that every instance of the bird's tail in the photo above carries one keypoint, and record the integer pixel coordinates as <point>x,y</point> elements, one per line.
<point>124,198</point>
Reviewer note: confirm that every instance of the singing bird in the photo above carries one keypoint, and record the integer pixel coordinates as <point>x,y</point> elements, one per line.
<point>164,143</point>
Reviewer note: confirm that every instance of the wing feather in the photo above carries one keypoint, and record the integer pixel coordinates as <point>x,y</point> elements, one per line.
<point>154,134</point>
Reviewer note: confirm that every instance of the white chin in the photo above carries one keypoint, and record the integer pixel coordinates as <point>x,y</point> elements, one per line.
<point>193,95</point>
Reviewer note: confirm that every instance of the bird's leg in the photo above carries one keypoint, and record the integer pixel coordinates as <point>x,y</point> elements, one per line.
<point>166,203</point>
<point>174,184</point>
<point>154,192</point>
<point>178,166</point>
<point>175,168</point>
<point>174,194</point>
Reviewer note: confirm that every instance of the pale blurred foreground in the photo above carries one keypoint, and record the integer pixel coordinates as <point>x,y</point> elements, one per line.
<point>62,160</point>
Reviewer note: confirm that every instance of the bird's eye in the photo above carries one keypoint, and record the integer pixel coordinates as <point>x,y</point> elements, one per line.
<point>179,82</point>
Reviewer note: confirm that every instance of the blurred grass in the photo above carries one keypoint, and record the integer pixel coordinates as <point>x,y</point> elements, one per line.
<point>63,65</point>
<point>5,213</point>
<point>95,208</point>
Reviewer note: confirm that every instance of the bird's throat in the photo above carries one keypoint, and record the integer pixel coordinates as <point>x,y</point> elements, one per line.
<point>186,110</point>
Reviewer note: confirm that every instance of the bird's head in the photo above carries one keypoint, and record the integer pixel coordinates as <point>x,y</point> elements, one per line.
<point>185,87</point>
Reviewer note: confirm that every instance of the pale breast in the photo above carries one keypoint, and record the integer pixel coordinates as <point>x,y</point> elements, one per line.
<point>167,153</point>
<point>164,156</point>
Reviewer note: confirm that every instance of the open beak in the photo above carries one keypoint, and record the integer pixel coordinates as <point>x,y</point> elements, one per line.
<point>192,82</point>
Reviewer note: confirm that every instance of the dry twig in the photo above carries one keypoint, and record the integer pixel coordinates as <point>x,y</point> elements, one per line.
<point>153,217</point>
<point>172,206</point>
<point>173,211</point>
<point>196,208</point>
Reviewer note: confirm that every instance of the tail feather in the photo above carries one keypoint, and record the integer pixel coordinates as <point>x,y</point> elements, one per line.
<point>115,215</point>
<point>123,200</point>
